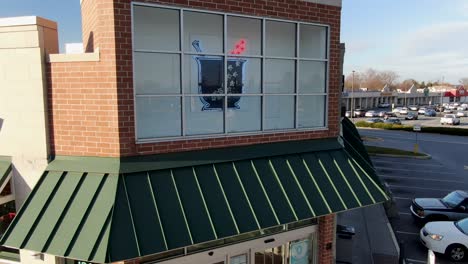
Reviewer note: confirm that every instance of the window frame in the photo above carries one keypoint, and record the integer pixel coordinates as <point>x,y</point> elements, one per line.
<point>263,57</point>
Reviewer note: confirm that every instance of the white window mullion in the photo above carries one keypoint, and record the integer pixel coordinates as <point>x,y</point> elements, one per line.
<point>262,119</point>
<point>182,75</point>
<point>225,74</point>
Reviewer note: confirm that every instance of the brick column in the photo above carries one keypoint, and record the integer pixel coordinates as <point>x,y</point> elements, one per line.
<point>326,247</point>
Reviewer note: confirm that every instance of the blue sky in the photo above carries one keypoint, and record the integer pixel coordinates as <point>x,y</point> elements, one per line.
<point>422,39</point>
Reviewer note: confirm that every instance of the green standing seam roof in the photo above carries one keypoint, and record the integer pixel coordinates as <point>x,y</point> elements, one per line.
<point>5,168</point>
<point>110,217</point>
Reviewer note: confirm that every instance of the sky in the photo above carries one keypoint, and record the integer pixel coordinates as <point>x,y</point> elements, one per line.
<point>426,40</point>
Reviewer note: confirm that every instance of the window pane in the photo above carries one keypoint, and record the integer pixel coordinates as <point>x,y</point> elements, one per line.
<point>204,29</point>
<point>280,39</point>
<point>244,36</point>
<point>313,42</point>
<point>279,76</point>
<point>300,251</point>
<point>157,73</point>
<point>244,75</point>
<point>312,77</point>
<point>156,28</point>
<point>311,111</point>
<point>279,112</point>
<point>245,115</point>
<point>203,74</point>
<point>158,117</point>
<point>242,259</point>
<point>204,115</point>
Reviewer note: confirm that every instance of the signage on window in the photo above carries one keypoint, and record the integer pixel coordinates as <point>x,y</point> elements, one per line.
<point>211,81</point>
<point>300,252</point>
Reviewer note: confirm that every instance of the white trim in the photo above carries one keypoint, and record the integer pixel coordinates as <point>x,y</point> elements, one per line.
<point>74,57</point>
<point>27,20</point>
<point>220,254</point>
<point>326,2</point>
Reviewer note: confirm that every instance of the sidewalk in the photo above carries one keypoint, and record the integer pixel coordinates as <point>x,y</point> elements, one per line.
<point>374,241</point>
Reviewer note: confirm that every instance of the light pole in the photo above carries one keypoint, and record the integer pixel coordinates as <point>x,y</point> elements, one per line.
<point>352,98</point>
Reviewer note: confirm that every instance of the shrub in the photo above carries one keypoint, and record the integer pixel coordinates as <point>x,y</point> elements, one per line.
<point>439,130</point>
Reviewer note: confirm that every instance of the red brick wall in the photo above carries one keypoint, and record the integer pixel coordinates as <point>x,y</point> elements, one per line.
<point>285,9</point>
<point>326,238</point>
<point>108,84</point>
<point>82,96</point>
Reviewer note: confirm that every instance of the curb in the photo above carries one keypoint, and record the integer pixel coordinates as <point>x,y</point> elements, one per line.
<point>426,157</point>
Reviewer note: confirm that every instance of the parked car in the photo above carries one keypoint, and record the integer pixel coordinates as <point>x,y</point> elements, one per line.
<point>450,119</point>
<point>439,108</point>
<point>461,114</point>
<point>382,114</point>
<point>422,110</point>
<point>371,113</point>
<point>413,107</point>
<point>449,238</point>
<point>383,105</point>
<point>404,111</point>
<point>359,113</point>
<point>452,207</point>
<point>389,114</point>
<point>430,112</point>
<point>393,120</point>
<point>461,108</point>
<point>374,120</point>
<point>348,114</point>
<point>412,116</point>
<point>397,109</point>
<point>448,111</point>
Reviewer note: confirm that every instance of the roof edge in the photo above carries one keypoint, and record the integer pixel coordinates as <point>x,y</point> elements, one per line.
<point>189,158</point>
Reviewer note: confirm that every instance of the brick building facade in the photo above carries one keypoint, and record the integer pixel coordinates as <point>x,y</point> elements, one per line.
<point>114,162</point>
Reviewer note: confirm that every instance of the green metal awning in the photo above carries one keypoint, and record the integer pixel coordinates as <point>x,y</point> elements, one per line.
<point>100,216</point>
<point>5,169</point>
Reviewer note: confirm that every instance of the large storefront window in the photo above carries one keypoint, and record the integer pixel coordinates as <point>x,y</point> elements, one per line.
<point>201,73</point>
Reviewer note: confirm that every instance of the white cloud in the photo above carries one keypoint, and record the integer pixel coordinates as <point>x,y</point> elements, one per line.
<point>435,52</point>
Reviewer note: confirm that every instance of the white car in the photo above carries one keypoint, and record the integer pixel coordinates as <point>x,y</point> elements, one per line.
<point>404,111</point>
<point>422,110</point>
<point>371,113</point>
<point>447,237</point>
<point>413,107</point>
<point>397,110</point>
<point>461,114</point>
<point>450,120</point>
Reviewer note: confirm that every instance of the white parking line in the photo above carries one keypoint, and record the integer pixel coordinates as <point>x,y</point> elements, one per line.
<point>415,260</point>
<point>423,171</point>
<point>420,188</point>
<point>407,233</point>
<point>424,179</point>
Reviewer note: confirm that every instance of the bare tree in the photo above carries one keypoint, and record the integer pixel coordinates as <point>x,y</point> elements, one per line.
<point>389,77</point>
<point>372,79</point>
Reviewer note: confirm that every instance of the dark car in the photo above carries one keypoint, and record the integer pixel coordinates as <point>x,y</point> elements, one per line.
<point>411,116</point>
<point>374,120</point>
<point>359,113</point>
<point>430,112</point>
<point>395,121</point>
<point>452,207</point>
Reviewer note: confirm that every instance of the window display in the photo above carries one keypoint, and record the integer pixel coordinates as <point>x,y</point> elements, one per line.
<point>234,74</point>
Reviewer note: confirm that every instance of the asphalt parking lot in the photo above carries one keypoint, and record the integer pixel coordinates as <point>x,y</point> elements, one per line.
<point>408,179</point>
<point>425,120</point>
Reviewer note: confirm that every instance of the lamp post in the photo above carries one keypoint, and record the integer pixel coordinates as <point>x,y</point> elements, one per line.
<point>352,99</point>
